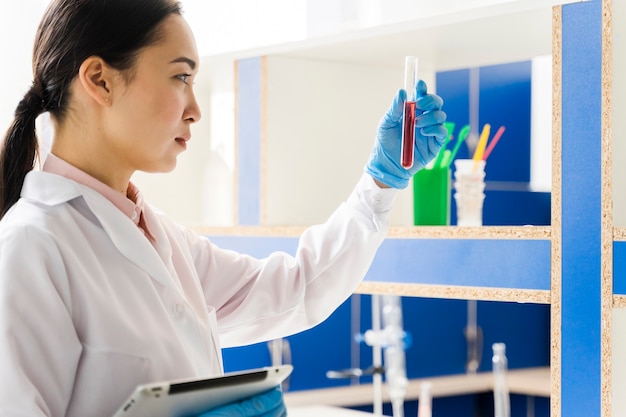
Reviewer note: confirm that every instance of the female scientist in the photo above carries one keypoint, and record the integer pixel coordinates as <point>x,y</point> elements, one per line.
<point>99,292</point>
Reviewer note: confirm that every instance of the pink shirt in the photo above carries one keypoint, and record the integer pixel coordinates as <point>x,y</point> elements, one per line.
<point>130,204</point>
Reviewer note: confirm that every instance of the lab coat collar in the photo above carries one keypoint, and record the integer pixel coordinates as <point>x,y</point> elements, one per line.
<point>50,190</point>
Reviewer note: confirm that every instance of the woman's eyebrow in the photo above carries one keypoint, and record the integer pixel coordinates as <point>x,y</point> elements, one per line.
<point>188,61</point>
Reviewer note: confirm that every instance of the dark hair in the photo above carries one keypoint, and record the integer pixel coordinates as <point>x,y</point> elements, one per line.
<point>70,32</point>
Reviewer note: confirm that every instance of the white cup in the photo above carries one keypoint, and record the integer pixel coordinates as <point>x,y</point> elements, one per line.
<point>469,184</point>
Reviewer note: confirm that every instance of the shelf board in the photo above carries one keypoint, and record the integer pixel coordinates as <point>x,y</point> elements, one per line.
<point>487,37</point>
<point>619,234</point>
<point>619,301</point>
<point>492,263</point>
<point>320,410</point>
<point>508,31</point>
<point>456,292</point>
<point>524,381</point>
<point>409,232</point>
<point>258,231</point>
<point>483,232</point>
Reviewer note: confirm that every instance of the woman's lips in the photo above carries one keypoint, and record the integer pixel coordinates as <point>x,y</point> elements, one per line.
<point>182,141</point>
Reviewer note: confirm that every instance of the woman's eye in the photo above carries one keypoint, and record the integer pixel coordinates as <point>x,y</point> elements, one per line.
<point>184,77</point>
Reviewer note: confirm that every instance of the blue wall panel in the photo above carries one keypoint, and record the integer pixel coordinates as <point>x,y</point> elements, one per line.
<point>514,208</point>
<point>504,100</point>
<point>436,325</point>
<point>522,264</point>
<point>581,212</point>
<point>453,87</point>
<point>438,347</point>
<point>619,268</point>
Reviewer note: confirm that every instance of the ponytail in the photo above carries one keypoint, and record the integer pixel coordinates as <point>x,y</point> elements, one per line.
<point>20,148</point>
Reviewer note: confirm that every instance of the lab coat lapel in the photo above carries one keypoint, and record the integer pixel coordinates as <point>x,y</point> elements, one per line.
<point>128,238</point>
<point>51,190</point>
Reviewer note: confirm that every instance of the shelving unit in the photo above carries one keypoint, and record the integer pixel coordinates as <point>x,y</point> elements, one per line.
<point>577,265</point>
<point>518,268</point>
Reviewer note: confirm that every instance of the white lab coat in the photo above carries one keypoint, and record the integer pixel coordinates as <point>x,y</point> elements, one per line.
<point>89,308</point>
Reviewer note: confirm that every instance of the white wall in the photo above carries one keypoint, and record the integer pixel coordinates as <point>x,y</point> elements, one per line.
<point>18,24</point>
<point>314,156</point>
<point>200,191</point>
<point>180,193</point>
<point>541,124</point>
<point>233,25</point>
<point>321,125</point>
<point>618,361</point>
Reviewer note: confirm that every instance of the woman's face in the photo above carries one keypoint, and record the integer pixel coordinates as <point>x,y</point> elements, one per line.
<point>150,117</point>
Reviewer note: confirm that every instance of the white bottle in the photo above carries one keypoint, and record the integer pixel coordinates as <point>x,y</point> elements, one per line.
<point>425,404</point>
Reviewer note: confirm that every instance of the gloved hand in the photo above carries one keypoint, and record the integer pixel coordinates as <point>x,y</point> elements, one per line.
<point>267,404</point>
<point>384,162</point>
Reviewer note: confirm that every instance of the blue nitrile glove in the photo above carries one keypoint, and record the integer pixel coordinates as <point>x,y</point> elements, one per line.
<point>267,404</point>
<point>384,163</point>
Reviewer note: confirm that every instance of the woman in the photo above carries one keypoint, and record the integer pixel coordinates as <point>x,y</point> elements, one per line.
<point>98,291</point>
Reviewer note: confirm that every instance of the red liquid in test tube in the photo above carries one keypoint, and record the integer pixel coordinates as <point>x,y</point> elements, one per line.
<point>408,135</point>
<point>408,119</point>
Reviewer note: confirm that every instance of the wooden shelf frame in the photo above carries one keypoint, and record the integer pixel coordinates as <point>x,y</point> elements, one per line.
<point>580,259</point>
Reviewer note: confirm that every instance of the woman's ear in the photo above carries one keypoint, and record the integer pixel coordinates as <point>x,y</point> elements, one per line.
<point>97,79</point>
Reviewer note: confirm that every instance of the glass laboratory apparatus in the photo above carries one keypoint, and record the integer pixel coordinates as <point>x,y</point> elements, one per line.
<point>473,337</point>
<point>502,406</point>
<point>408,119</point>
<point>388,341</point>
<point>280,354</point>
<point>393,341</point>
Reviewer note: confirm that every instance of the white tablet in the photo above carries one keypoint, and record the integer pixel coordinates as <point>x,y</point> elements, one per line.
<point>185,398</point>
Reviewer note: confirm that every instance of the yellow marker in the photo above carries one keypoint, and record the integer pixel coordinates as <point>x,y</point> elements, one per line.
<point>482,143</point>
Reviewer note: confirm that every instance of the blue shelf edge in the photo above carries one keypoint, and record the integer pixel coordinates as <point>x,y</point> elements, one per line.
<point>491,263</point>
<point>619,268</point>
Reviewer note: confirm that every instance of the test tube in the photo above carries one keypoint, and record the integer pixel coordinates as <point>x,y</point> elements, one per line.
<point>408,126</point>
